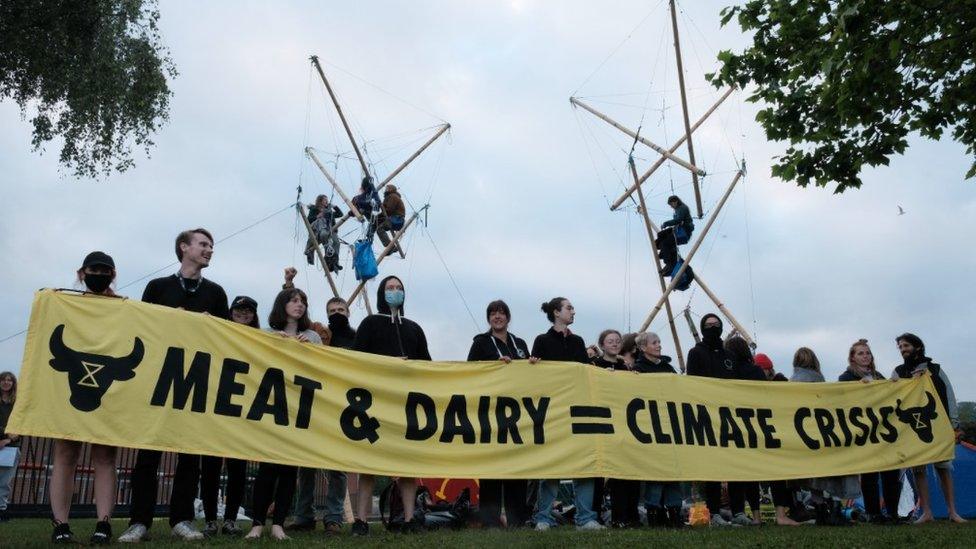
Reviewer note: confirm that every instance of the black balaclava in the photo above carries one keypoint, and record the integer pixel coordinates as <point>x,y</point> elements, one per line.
<point>916,342</point>
<point>382,306</point>
<point>711,336</point>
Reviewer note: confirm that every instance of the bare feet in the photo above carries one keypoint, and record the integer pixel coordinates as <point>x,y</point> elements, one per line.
<point>954,517</point>
<point>926,517</point>
<point>255,532</point>
<point>278,533</point>
<point>786,521</point>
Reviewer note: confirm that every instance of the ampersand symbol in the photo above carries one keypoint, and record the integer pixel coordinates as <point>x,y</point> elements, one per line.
<point>359,401</point>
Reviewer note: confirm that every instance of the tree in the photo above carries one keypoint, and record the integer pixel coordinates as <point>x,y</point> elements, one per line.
<point>91,73</point>
<point>967,412</point>
<point>846,81</point>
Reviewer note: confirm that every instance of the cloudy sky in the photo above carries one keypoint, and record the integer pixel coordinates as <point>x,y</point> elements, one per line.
<point>518,191</point>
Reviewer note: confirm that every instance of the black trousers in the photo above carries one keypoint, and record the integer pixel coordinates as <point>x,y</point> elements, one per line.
<point>782,493</point>
<point>750,492</point>
<point>667,249</point>
<point>890,487</point>
<point>713,497</point>
<point>624,498</point>
<point>210,468</point>
<point>491,493</point>
<point>145,486</point>
<point>274,483</point>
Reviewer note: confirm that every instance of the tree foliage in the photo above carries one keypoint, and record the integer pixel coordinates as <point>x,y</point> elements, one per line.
<point>92,73</point>
<point>844,82</point>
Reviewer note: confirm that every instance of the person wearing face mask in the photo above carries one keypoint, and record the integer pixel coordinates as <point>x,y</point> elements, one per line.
<point>915,364</point>
<point>186,289</point>
<point>389,333</point>
<point>96,275</point>
<point>559,344</point>
<point>498,344</point>
<point>860,367</point>
<point>343,336</point>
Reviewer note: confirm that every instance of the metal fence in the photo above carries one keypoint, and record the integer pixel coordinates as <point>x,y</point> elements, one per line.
<point>31,484</point>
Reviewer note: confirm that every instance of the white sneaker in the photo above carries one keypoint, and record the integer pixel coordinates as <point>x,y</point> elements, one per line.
<point>740,519</point>
<point>134,534</point>
<point>591,525</point>
<point>541,526</point>
<point>187,532</point>
<point>717,520</point>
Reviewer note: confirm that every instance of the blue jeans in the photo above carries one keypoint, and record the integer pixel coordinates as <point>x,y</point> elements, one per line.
<point>662,494</point>
<point>583,496</point>
<point>335,497</point>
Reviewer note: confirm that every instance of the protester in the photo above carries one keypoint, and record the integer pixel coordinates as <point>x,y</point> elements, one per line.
<point>628,350</point>
<point>559,344</point>
<point>498,344</point>
<point>9,442</point>
<point>367,201</point>
<point>683,225</point>
<point>766,365</point>
<point>861,367</point>
<point>322,217</point>
<point>827,492</point>
<point>325,334</point>
<point>243,310</point>
<point>782,491</point>
<point>744,367</point>
<point>186,289</point>
<point>394,215</point>
<point>606,353</point>
<point>275,483</point>
<point>915,364</point>
<point>389,333</point>
<point>662,500</point>
<point>340,335</point>
<point>708,358</point>
<point>97,273</point>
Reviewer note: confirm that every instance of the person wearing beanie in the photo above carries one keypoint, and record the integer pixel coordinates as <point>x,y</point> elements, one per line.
<point>915,364</point>
<point>766,365</point>
<point>388,333</point>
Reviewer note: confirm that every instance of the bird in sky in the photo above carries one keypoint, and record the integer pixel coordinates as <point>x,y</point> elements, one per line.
<point>901,211</point>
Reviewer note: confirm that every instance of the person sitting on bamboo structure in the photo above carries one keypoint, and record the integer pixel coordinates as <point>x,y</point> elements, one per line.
<point>392,216</point>
<point>322,217</point>
<point>682,222</point>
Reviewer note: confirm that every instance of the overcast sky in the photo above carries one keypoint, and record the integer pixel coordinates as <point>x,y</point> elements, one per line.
<point>519,190</point>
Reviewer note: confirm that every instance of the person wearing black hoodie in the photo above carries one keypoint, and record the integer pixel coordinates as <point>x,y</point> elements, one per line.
<point>708,358</point>
<point>498,344</point>
<point>389,333</point>
<point>744,367</point>
<point>915,364</point>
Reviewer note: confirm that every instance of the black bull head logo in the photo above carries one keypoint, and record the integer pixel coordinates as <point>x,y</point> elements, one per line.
<point>90,375</point>
<point>919,418</point>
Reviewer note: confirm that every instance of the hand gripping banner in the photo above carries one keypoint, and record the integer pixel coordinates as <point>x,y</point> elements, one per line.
<point>125,373</point>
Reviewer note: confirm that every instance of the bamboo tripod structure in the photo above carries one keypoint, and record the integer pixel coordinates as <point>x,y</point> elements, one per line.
<point>353,210</point>
<point>696,172</point>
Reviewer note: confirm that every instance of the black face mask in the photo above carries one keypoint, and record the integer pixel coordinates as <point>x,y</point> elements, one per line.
<point>97,283</point>
<point>712,333</point>
<point>338,321</point>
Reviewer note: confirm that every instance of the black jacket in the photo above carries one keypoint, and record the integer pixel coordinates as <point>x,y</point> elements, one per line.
<point>745,369</point>
<point>851,375</point>
<point>707,361</point>
<point>344,337</point>
<point>488,347</point>
<point>644,366</point>
<point>384,334</point>
<point>208,297</point>
<point>557,346</point>
<point>601,362</point>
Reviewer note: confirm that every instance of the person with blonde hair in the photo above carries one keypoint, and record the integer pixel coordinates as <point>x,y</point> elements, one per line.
<point>8,441</point>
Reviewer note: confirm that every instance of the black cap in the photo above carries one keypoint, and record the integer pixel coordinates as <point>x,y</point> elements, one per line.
<point>98,258</point>
<point>244,302</point>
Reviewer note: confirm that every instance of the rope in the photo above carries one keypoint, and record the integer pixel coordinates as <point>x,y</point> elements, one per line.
<point>377,88</point>
<point>451,276</point>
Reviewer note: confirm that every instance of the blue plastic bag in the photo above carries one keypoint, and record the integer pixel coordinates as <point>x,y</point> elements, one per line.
<point>364,260</point>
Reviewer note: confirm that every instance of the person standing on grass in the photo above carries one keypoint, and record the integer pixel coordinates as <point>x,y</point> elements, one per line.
<point>96,275</point>
<point>389,333</point>
<point>860,367</point>
<point>186,289</point>
<point>275,483</point>
<point>916,364</point>
<point>745,368</point>
<point>559,344</point>
<point>498,344</point>
<point>9,442</point>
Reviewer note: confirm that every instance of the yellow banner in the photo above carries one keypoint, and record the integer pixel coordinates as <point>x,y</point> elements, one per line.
<point>126,373</point>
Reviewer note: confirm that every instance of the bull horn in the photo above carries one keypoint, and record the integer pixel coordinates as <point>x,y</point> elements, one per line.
<point>57,346</point>
<point>135,357</point>
<point>930,404</point>
<point>898,406</point>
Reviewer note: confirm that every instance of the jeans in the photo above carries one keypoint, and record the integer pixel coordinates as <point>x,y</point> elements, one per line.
<point>6,478</point>
<point>583,500</point>
<point>662,494</point>
<point>335,498</point>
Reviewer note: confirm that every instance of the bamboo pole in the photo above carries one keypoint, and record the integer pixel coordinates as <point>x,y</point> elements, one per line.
<point>691,323</point>
<point>369,308</point>
<point>352,207</point>
<point>691,253</point>
<point>684,107</point>
<point>318,249</point>
<point>728,314</point>
<point>657,148</point>
<point>403,165</point>
<point>648,224</point>
<point>660,161</point>
<point>359,155</point>
<point>386,251</point>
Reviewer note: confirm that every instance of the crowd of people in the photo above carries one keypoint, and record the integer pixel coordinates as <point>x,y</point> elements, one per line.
<point>525,503</point>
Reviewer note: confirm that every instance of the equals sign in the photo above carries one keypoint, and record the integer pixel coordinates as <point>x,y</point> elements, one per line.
<point>590,412</point>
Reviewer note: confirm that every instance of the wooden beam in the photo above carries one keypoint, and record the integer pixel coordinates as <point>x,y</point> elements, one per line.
<point>684,107</point>
<point>352,207</point>
<point>386,251</point>
<point>657,148</point>
<point>691,253</point>
<point>660,161</point>
<point>318,249</point>
<point>345,124</point>
<point>725,311</point>
<point>691,323</point>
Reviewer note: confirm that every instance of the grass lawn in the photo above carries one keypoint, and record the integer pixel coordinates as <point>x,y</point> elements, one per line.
<point>37,532</point>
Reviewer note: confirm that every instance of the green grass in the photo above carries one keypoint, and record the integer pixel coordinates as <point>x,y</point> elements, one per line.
<point>37,532</point>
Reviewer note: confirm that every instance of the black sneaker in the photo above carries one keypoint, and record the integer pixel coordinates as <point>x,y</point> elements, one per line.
<point>360,528</point>
<point>301,526</point>
<point>62,534</point>
<point>102,534</point>
<point>415,526</point>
